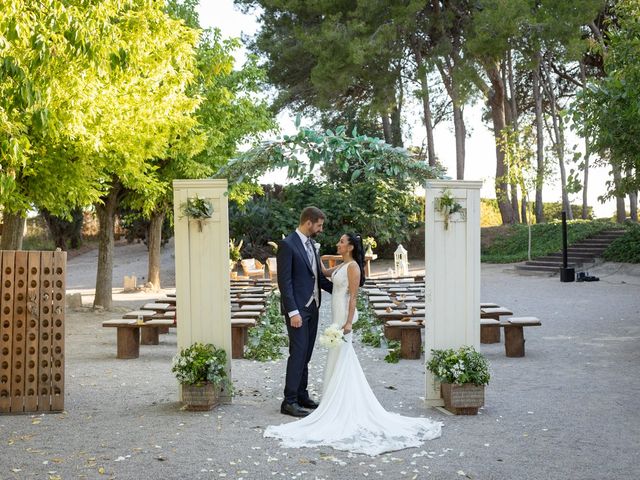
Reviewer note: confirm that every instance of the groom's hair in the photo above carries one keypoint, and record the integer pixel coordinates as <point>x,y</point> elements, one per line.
<point>311,213</point>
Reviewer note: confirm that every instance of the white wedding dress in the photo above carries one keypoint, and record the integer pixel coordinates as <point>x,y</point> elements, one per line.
<point>349,416</point>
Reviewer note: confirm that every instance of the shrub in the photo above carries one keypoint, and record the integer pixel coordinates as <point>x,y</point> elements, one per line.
<point>626,248</point>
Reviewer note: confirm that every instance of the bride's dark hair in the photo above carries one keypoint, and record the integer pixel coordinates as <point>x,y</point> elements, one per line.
<point>355,239</point>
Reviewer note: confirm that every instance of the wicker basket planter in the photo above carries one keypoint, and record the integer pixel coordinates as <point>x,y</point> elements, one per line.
<point>464,399</point>
<point>198,398</point>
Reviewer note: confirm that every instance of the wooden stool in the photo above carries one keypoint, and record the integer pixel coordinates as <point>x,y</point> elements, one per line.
<point>489,330</point>
<point>410,337</point>
<point>239,335</point>
<point>514,334</point>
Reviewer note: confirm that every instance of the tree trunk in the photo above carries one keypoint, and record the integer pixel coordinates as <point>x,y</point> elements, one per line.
<point>154,243</point>
<point>458,117</point>
<point>537,94</point>
<point>12,231</point>
<point>426,106</point>
<point>396,118</point>
<point>512,119</point>
<point>461,137</point>
<point>558,133</point>
<point>621,215</point>
<point>106,218</point>
<point>633,206</point>
<point>386,128</point>
<point>563,173</point>
<point>587,153</point>
<point>496,102</point>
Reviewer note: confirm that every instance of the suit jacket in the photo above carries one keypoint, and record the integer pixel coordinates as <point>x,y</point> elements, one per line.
<point>295,275</point>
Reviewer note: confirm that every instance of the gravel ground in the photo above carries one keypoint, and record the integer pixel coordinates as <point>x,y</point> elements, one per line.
<point>568,410</point>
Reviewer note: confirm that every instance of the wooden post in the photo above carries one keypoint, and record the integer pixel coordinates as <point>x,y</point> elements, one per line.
<point>452,273</point>
<point>202,269</point>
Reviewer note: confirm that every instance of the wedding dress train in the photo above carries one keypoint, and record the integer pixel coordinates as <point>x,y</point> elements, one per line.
<point>349,416</point>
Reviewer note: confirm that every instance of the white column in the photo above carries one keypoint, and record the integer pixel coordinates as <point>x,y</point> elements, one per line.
<point>452,273</point>
<point>202,268</point>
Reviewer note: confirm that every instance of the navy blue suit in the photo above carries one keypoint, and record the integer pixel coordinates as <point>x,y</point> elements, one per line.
<point>296,282</point>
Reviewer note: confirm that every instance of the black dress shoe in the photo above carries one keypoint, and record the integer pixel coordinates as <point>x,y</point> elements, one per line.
<point>293,409</point>
<point>308,403</point>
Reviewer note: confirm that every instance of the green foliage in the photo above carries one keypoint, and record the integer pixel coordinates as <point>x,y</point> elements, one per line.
<point>489,213</point>
<point>369,242</point>
<point>511,244</point>
<point>200,363</point>
<point>447,206</point>
<point>235,250</point>
<point>553,211</point>
<point>88,89</point>
<point>393,353</point>
<point>197,208</point>
<point>340,156</point>
<point>607,111</point>
<point>370,330</point>
<point>463,365</point>
<point>379,209</point>
<point>269,336</point>
<point>626,248</point>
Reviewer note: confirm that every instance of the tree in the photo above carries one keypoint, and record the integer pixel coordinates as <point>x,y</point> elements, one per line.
<point>610,107</point>
<point>229,113</point>
<point>339,156</point>
<point>333,55</point>
<point>82,90</point>
<point>54,56</point>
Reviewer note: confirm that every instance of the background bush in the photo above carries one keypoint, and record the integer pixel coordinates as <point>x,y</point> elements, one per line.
<point>626,248</point>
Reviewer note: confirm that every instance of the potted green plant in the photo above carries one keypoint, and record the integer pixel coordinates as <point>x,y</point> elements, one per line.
<point>197,208</point>
<point>201,369</point>
<point>463,374</point>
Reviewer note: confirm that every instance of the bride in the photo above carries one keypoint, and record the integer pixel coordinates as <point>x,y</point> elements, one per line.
<point>349,416</point>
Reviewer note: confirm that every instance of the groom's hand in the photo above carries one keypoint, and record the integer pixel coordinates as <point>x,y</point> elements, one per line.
<point>296,321</point>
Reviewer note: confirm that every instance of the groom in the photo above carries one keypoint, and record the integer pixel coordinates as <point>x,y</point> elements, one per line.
<point>300,280</point>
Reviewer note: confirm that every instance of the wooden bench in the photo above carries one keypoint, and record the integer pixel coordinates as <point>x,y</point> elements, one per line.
<point>514,334</point>
<point>490,332</point>
<point>128,334</point>
<point>239,335</point>
<point>148,336</point>
<point>399,314</point>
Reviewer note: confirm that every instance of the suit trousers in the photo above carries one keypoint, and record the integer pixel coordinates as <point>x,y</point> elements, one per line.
<point>301,343</point>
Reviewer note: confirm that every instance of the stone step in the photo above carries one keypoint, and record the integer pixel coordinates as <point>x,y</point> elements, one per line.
<point>530,268</point>
<point>594,252</point>
<point>570,255</point>
<point>537,263</point>
<point>592,243</point>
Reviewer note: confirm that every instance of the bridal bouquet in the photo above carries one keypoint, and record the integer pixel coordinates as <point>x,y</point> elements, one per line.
<point>331,337</point>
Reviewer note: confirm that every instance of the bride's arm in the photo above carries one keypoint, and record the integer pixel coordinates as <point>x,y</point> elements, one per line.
<point>327,272</point>
<point>353,275</point>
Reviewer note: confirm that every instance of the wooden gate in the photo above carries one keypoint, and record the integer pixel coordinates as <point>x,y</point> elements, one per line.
<point>32,297</point>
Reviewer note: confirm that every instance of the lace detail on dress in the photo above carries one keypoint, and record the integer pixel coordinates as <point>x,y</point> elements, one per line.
<point>349,417</point>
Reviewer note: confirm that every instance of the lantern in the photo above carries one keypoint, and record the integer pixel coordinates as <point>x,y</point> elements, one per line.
<point>401,262</point>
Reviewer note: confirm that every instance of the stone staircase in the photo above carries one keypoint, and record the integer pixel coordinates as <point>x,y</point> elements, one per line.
<point>580,254</point>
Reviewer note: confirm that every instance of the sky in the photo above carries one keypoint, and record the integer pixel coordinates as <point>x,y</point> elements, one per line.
<point>480,147</point>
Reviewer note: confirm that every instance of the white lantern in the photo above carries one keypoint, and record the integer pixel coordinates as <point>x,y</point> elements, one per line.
<point>401,262</point>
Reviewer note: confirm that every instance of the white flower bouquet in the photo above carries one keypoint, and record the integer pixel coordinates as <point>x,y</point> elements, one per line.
<point>331,337</point>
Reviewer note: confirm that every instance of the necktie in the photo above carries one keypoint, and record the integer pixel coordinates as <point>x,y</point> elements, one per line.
<point>310,252</point>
